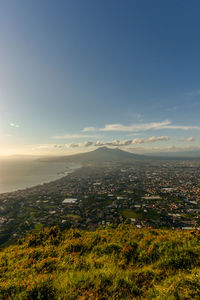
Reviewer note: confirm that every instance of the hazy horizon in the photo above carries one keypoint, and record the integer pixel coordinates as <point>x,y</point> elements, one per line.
<point>171,151</point>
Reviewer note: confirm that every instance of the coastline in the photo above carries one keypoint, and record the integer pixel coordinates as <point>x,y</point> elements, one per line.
<point>60,174</point>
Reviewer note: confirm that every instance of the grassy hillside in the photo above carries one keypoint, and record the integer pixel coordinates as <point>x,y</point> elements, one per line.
<point>111,263</point>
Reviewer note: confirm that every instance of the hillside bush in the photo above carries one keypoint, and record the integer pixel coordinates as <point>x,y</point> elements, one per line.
<point>110,263</point>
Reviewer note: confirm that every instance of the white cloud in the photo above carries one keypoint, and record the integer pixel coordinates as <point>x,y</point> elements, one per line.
<point>86,144</point>
<point>76,145</point>
<point>157,139</point>
<point>87,129</point>
<point>150,140</point>
<point>138,141</point>
<point>181,127</point>
<point>135,127</point>
<point>190,139</point>
<point>99,143</point>
<point>141,127</point>
<point>126,142</point>
<point>114,143</point>
<point>118,143</point>
<point>59,146</point>
<point>74,136</point>
<point>72,145</point>
<point>48,146</point>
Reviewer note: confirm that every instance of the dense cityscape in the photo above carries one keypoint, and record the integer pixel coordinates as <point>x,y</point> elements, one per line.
<point>158,194</point>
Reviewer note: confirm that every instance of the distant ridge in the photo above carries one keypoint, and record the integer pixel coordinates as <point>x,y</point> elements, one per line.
<point>105,154</point>
<point>100,155</point>
<point>192,154</point>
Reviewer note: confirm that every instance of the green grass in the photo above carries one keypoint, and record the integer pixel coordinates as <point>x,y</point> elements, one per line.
<point>139,214</point>
<point>72,216</point>
<point>38,226</point>
<point>129,213</point>
<point>110,263</point>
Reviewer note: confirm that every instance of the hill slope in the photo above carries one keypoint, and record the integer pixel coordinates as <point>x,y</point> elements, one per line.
<point>120,263</point>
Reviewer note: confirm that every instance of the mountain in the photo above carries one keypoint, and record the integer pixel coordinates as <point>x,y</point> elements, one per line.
<point>100,155</point>
<point>104,154</point>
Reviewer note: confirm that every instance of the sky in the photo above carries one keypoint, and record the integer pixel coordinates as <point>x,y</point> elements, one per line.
<point>76,75</point>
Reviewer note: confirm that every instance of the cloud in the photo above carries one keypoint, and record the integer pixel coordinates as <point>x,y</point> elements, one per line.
<point>135,127</point>
<point>87,129</point>
<point>76,145</point>
<point>74,136</point>
<point>59,146</point>
<point>118,143</point>
<point>157,139</point>
<point>190,139</point>
<point>141,127</point>
<point>100,143</point>
<point>151,139</point>
<point>86,144</point>
<point>115,143</point>
<point>126,142</point>
<point>72,145</point>
<point>138,141</point>
<point>48,147</point>
<point>181,127</point>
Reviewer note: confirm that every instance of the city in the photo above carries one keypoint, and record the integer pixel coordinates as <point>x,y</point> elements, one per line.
<point>158,194</point>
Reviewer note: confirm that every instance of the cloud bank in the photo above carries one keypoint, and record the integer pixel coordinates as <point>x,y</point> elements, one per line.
<point>191,139</point>
<point>141,127</point>
<point>118,143</point>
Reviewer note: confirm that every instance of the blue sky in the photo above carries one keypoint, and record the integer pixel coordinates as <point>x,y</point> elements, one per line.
<point>71,70</point>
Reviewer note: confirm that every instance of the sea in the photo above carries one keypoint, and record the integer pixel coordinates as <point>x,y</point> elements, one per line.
<point>20,173</point>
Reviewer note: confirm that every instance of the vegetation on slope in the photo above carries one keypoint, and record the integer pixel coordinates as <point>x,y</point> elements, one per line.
<point>110,263</point>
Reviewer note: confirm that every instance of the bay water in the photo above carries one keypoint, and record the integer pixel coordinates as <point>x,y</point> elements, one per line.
<point>20,173</point>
